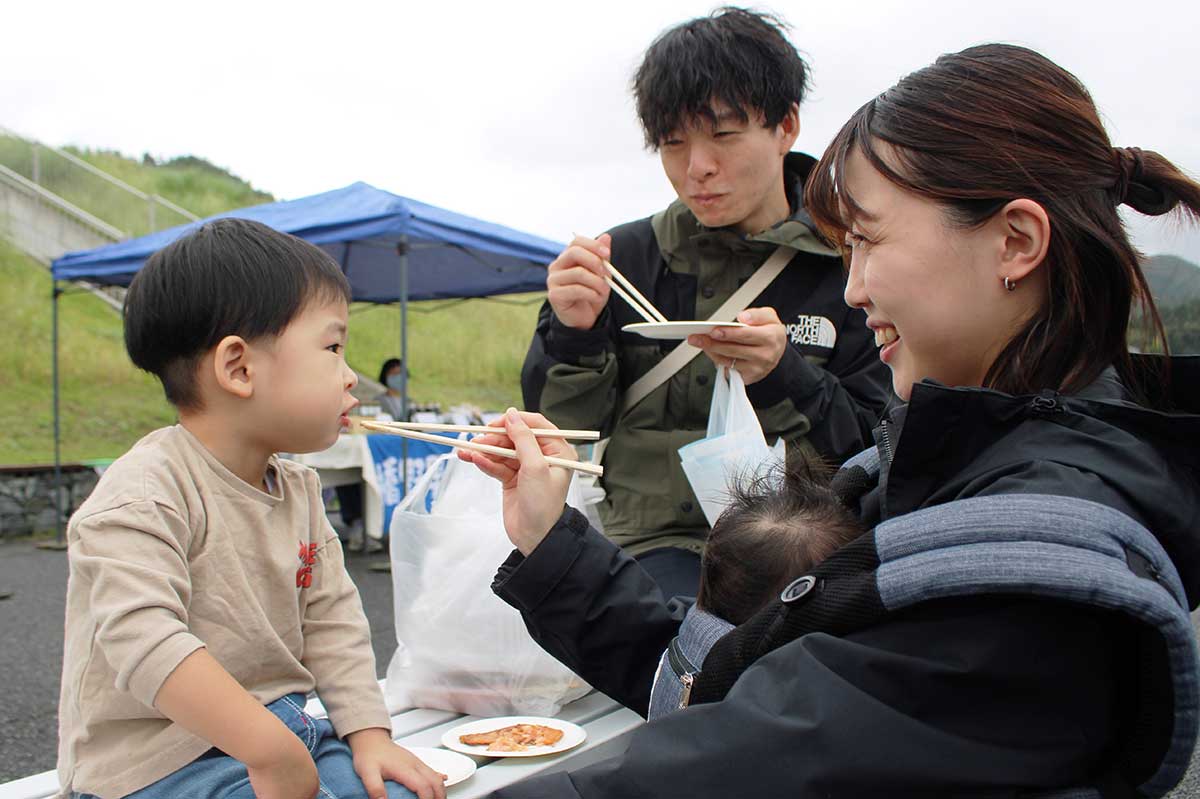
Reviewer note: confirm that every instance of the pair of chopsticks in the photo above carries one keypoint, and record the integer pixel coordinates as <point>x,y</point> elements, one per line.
<point>631,295</point>
<point>416,430</point>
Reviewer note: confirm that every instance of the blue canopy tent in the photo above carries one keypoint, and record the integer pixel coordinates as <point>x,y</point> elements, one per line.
<point>391,248</point>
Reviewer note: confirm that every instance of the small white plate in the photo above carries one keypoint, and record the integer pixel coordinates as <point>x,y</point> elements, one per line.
<point>675,331</point>
<point>456,767</point>
<point>573,735</point>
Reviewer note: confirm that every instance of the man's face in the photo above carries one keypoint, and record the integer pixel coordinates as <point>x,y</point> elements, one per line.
<point>731,174</point>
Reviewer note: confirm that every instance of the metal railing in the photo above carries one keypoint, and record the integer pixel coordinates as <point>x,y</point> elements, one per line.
<point>85,186</point>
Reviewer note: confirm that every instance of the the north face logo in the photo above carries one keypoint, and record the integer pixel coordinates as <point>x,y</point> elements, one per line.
<point>812,330</point>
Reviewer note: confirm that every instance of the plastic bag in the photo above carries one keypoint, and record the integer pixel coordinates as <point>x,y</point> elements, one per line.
<point>459,646</point>
<point>734,447</point>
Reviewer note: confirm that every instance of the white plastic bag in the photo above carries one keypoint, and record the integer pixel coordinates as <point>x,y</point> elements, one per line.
<point>734,447</point>
<point>459,646</point>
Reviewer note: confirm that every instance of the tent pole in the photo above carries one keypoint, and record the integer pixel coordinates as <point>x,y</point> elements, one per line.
<point>55,292</point>
<point>402,251</point>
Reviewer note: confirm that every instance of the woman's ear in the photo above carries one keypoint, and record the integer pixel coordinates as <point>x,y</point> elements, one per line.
<point>232,368</point>
<point>1025,227</point>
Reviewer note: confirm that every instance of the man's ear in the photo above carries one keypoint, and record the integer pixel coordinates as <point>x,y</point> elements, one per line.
<point>232,367</point>
<point>789,128</point>
<point>1025,228</point>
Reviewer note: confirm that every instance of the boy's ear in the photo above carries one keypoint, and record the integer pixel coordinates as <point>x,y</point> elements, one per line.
<point>232,368</point>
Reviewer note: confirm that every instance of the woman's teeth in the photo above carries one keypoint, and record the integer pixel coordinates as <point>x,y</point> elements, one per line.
<point>885,336</point>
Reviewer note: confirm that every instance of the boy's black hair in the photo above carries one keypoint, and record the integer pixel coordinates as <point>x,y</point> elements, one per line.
<point>229,277</point>
<point>738,57</point>
<point>777,527</point>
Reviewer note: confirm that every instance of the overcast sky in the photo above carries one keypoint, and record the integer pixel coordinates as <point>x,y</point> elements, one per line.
<point>519,112</point>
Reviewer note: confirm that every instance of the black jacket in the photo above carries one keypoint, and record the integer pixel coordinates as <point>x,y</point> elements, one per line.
<point>985,696</point>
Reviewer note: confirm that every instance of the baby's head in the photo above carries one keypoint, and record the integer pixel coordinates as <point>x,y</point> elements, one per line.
<point>776,528</point>
<point>240,320</point>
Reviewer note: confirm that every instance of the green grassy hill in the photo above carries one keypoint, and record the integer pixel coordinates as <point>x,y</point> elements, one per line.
<point>1173,280</point>
<point>468,352</point>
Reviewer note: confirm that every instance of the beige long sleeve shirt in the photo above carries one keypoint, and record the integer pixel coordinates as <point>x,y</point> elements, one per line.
<point>173,552</point>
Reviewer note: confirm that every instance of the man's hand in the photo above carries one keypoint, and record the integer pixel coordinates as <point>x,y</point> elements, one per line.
<point>377,758</point>
<point>575,285</point>
<point>757,349</point>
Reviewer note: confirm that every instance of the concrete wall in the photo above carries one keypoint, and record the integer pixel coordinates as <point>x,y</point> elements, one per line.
<point>42,224</point>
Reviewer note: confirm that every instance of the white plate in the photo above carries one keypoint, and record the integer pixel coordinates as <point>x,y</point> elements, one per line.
<point>573,735</point>
<point>676,331</point>
<point>456,767</point>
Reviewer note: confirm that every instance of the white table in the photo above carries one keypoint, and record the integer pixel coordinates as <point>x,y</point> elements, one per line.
<point>607,725</point>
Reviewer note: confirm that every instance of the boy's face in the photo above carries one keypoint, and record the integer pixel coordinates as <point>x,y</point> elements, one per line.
<point>731,174</point>
<point>302,386</point>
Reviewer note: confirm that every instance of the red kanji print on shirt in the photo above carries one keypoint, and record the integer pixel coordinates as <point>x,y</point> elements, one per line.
<point>308,557</point>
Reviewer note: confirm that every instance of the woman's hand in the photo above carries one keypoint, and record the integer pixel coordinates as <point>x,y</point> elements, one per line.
<point>534,491</point>
<point>377,758</point>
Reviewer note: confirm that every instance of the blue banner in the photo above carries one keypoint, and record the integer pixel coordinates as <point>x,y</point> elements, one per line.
<point>388,454</point>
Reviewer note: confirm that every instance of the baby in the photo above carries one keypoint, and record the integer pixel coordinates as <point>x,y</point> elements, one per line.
<point>777,527</point>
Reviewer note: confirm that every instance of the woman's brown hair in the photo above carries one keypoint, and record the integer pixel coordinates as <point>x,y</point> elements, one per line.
<point>994,123</point>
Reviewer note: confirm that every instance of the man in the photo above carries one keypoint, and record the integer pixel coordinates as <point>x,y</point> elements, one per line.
<point>718,98</point>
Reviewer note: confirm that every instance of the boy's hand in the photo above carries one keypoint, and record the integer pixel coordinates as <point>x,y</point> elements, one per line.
<point>377,758</point>
<point>289,773</point>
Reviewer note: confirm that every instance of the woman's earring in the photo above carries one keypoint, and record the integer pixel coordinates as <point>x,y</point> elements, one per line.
<point>1011,285</point>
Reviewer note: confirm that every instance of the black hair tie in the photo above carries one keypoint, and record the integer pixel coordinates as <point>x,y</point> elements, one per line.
<point>1131,188</point>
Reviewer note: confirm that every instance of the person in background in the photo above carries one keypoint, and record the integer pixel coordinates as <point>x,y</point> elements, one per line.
<point>391,401</point>
<point>350,495</point>
<point>718,99</point>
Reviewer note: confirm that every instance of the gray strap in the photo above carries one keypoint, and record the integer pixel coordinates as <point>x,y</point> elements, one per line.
<point>682,355</point>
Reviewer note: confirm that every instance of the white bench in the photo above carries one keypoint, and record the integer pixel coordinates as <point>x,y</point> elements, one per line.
<point>606,723</point>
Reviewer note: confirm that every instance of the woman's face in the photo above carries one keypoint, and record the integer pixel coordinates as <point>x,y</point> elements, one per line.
<point>933,293</point>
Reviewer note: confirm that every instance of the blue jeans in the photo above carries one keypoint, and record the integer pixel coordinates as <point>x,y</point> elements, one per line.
<point>216,775</point>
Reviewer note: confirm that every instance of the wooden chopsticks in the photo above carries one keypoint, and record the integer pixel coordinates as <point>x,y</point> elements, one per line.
<point>579,466</point>
<point>580,435</point>
<point>628,292</point>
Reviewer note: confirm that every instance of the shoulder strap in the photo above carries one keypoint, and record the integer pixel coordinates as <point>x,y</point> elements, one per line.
<point>683,354</point>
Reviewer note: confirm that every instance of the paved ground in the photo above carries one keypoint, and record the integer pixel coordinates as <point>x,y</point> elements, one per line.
<point>31,652</point>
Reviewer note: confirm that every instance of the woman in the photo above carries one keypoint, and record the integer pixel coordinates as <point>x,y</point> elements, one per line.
<point>1034,495</point>
<point>391,401</point>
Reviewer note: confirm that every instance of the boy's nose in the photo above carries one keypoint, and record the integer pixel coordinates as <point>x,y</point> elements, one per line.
<point>351,377</point>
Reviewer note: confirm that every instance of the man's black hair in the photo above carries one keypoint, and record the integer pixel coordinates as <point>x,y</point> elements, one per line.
<point>777,527</point>
<point>230,277</point>
<point>738,57</point>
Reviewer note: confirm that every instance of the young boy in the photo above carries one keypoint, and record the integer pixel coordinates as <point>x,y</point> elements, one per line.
<point>776,528</point>
<point>207,593</point>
